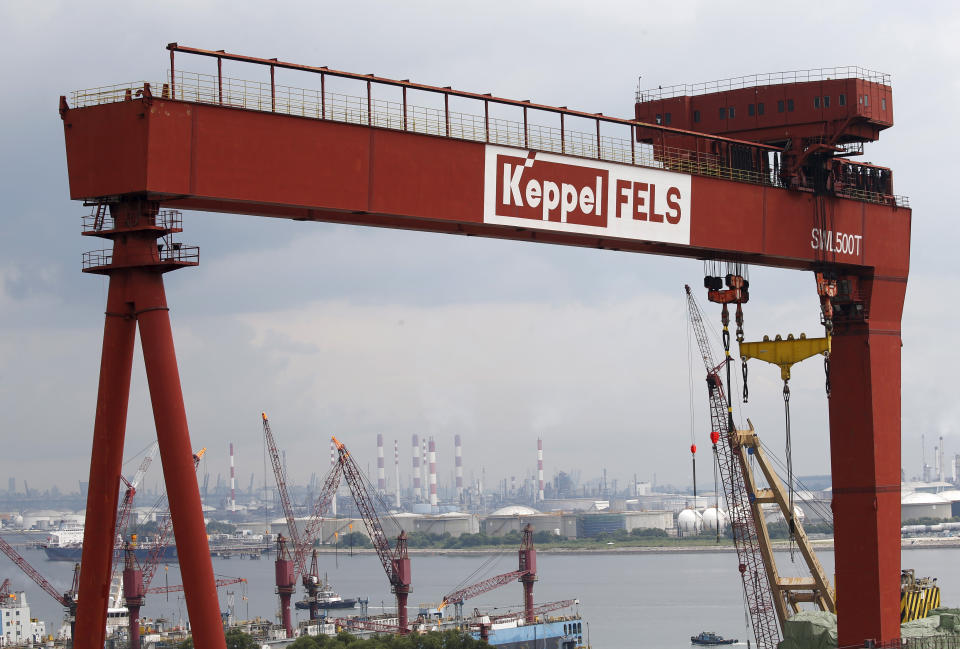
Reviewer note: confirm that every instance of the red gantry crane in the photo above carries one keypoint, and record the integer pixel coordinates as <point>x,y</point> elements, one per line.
<point>761,186</point>
<point>395,561</point>
<point>287,568</point>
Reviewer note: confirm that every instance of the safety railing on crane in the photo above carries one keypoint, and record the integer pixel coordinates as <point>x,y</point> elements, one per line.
<point>175,253</point>
<point>322,103</point>
<point>765,79</point>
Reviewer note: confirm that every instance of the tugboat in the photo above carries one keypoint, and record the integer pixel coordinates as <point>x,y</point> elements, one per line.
<point>710,638</point>
<point>327,598</point>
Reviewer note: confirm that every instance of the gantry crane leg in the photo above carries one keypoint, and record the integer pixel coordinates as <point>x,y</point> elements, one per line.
<point>136,297</point>
<point>865,464</point>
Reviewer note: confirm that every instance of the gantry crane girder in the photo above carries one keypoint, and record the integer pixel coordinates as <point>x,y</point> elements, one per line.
<point>196,142</point>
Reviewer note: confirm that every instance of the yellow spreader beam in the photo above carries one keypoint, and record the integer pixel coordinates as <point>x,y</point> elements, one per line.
<point>784,353</point>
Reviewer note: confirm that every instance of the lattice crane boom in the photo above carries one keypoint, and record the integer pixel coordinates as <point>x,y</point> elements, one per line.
<point>163,537</point>
<point>395,561</point>
<point>366,625</point>
<point>756,585</point>
<point>219,583</point>
<point>65,599</point>
<point>481,587</point>
<point>281,478</point>
<point>538,610</point>
<point>5,588</point>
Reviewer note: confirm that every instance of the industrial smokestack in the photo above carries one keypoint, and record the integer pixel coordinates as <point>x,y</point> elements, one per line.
<point>940,461</point>
<point>458,452</point>
<point>424,465</point>
<point>396,466</point>
<point>381,475</point>
<point>233,483</point>
<point>416,469</point>
<point>433,473</point>
<point>540,468</point>
<point>333,461</point>
<point>513,485</point>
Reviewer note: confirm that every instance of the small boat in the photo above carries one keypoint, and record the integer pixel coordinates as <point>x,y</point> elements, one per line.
<point>710,638</point>
<point>327,598</point>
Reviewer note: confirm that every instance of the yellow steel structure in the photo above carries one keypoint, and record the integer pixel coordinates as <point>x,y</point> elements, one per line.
<point>784,353</point>
<point>789,592</point>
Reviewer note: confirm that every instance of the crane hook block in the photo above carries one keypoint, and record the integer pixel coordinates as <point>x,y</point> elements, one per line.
<point>784,353</point>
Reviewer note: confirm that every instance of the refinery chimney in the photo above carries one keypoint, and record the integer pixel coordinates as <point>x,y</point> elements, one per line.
<point>416,469</point>
<point>381,474</point>
<point>433,473</point>
<point>396,467</point>
<point>424,465</point>
<point>540,469</point>
<point>233,483</point>
<point>458,452</point>
<point>333,461</point>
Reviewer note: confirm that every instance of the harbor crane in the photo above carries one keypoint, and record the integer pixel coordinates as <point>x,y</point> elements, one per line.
<point>5,588</point>
<point>395,560</point>
<point>772,188</point>
<point>526,573</point>
<point>67,600</point>
<point>300,543</point>
<point>123,516</point>
<point>136,579</point>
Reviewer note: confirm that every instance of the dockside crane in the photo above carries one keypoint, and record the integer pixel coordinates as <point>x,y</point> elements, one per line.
<point>286,573</point>
<point>526,573</point>
<point>123,516</point>
<point>5,588</point>
<point>753,573</point>
<point>395,560</point>
<point>137,579</point>
<point>67,600</point>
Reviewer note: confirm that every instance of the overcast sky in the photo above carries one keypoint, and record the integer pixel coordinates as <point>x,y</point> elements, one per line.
<point>352,331</point>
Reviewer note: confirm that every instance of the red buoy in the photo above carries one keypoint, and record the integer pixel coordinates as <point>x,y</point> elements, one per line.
<point>714,437</point>
<point>693,449</point>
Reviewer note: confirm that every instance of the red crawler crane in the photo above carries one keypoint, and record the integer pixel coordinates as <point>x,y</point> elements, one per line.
<point>286,573</point>
<point>123,514</point>
<point>756,586</point>
<point>395,561</point>
<point>68,599</point>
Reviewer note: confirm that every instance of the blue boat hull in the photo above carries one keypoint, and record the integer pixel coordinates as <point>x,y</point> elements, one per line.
<point>546,635</point>
<point>169,554</point>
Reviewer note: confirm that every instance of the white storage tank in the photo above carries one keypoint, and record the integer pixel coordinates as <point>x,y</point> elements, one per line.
<point>712,517</point>
<point>689,522</point>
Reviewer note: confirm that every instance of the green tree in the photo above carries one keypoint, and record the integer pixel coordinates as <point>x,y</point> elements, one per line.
<point>220,527</point>
<point>237,639</point>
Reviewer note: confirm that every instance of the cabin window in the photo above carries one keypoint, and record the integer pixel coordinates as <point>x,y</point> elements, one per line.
<point>842,99</point>
<point>666,118</point>
<point>826,101</point>
<point>760,108</point>
<point>866,100</point>
<point>696,116</point>
<point>779,105</point>
<point>789,105</point>
<point>659,118</point>
<point>733,112</point>
<point>750,110</point>
<point>883,103</point>
<point>723,113</point>
<point>816,102</point>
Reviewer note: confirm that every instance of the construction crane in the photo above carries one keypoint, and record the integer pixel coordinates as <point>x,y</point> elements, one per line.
<point>67,600</point>
<point>137,579</point>
<point>526,573</point>
<point>726,444</point>
<point>299,542</point>
<point>220,582</point>
<point>367,625</point>
<point>5,588</point>
<point>395,561</point>
<point>123,516</point>
<point>538,610</point>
